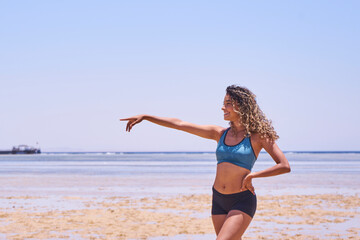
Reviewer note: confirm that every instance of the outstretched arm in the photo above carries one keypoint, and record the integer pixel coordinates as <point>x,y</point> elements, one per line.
<point>205,131</point>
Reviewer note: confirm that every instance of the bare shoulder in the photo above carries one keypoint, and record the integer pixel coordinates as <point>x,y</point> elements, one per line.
<point>213,131</point>
<point>220,129</point>
<point>258,142</point>
<point>269,145</point>
<point>219,132</point>
<point>256,138</point>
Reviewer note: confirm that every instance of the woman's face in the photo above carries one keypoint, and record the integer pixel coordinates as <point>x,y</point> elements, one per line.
<point>229,113</point>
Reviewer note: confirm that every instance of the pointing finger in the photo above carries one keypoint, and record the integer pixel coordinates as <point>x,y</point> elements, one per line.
<point>125,119</point>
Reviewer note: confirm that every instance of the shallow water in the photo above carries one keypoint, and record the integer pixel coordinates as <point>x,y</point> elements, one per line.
<point>164,163</point>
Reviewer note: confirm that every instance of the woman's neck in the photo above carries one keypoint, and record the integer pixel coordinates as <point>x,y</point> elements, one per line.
<point>237,127</point>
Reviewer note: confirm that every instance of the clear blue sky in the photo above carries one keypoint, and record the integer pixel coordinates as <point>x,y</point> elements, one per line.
<point>70,69</point>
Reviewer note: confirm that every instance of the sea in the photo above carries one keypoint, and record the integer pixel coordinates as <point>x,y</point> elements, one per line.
<point>146,173</point>
<point>174,163</point>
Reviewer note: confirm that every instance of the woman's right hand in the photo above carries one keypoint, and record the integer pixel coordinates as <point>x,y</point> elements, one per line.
<point>132,121</point>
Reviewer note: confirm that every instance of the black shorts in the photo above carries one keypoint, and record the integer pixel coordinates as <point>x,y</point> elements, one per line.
<point>223,203</point>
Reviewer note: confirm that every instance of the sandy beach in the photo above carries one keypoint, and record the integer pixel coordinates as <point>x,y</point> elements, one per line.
<point>86,207</point>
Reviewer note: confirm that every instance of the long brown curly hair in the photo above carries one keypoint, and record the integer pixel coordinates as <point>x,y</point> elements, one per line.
<point>251,116</point>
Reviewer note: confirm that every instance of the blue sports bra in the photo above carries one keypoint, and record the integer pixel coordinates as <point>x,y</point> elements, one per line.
<point>242,154</point>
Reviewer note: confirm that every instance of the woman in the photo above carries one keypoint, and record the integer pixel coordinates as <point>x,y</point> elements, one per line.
<point>234,199</point>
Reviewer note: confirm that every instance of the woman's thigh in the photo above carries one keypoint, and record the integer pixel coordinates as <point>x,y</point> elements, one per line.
<point>218,221</point>
<point>234,226</point>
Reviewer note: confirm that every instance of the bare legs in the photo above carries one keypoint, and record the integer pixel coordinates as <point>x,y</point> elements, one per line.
<point>231,226</point>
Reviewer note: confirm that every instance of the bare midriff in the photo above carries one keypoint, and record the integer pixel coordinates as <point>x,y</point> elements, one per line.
<point>229,178</point>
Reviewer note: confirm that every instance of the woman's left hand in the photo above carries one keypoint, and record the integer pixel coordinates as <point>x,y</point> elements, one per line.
<point>247,184</point>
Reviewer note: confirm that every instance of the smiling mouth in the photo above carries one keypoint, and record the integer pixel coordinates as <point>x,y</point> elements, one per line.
<point>226,114</point>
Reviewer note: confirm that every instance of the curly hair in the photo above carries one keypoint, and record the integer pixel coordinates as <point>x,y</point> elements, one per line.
<point>251,116</point>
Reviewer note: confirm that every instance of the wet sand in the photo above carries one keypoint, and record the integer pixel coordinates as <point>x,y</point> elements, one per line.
<point>86,207</point>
